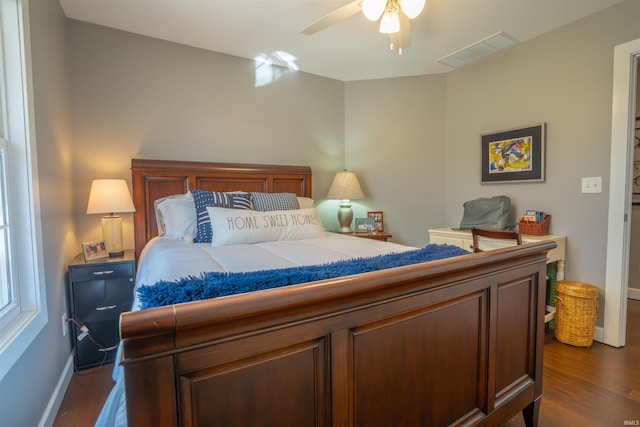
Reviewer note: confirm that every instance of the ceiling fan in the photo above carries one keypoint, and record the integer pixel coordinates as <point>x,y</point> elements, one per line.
<point>394,18</point>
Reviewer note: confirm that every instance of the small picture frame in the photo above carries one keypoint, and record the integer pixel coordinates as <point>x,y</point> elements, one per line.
<point>364,225</point>
<point>378,220</point>
<point>94,250</point>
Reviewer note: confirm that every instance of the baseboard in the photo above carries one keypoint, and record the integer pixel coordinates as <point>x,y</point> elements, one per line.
<point>51,410</point>
<point>598,334</point>
<point>633,293</point>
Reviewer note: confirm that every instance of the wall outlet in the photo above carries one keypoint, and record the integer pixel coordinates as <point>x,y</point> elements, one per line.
<point>64,325</point>
<point>592,184</point>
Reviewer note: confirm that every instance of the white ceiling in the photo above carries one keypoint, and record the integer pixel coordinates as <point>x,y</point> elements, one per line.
<point>350,50</point>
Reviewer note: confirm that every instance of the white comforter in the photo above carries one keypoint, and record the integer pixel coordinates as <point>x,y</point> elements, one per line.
<point>166,259</point>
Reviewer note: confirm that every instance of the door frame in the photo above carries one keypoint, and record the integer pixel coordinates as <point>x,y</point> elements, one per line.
<point>619,223</point>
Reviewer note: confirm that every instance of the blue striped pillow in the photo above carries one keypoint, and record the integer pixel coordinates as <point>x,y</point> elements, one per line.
<point>274,201</point>
<point>203,198</point>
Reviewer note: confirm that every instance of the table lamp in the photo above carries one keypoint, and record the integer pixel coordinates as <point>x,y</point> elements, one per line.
<point>345,187</point>
<point>110,196</point>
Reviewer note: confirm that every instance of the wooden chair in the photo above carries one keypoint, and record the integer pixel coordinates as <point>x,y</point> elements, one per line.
<point>505,235</point>
<point>493,234</point>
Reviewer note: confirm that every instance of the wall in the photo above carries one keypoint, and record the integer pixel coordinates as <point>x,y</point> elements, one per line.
<point>563,78</point>
<point>138,97</point>
<point>394,142</point>
<point>28,389</point>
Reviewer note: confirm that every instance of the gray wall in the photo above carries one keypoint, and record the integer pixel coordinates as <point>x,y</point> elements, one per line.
<point>138,97</point>
<point>395,133</point>
<point>565,79</point>
<point>26,390</point>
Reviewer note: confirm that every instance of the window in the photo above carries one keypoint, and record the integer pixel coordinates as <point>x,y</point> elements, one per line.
<point>7,288</point>
<point>22,295</point>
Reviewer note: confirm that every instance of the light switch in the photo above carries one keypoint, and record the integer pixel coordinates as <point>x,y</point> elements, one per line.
<point>592,184</point>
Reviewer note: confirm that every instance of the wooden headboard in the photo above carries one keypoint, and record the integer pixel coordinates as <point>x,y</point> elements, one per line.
<point>153,179</point>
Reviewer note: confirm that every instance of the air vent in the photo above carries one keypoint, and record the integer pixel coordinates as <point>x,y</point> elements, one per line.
<point>478,50</point>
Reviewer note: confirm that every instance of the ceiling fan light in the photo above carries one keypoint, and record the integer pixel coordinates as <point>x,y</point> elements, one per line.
<point>412,8</point>
<point>373,9</point>
<point>390,23</point>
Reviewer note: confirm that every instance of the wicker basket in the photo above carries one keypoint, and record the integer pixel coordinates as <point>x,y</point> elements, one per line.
<point>535,228</point>
<point>576,312</point>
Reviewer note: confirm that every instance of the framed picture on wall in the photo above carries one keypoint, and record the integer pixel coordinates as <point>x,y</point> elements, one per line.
<point>514,155</point>
<point>378,220</point>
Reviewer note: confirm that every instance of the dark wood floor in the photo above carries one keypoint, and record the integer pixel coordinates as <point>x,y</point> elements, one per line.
<point>597,386</point>
<point>84,398</point>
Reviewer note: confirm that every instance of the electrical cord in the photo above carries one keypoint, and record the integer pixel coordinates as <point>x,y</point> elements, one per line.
<point>86,332</point>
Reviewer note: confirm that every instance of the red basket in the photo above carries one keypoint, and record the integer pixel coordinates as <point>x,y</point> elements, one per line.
<point>535,228</point>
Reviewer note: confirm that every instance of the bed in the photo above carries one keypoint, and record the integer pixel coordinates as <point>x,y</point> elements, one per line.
<point>457,341</point>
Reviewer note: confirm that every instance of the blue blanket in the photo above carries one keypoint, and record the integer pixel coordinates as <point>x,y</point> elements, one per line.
<point>216,284</point>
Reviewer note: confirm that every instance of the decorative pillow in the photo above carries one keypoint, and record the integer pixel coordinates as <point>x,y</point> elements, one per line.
<point>176,217</point>
<point>159,220</point>
<point>274,201</point>
<point>234,227</point>
<point>306,203</point>
<point>203,199</point>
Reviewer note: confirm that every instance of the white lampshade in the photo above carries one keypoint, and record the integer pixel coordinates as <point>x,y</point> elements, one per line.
<point>412,8</point>
<point>373,9</point>
<point>390,23</point>
<point>110,196</point>
<point>345,187</point>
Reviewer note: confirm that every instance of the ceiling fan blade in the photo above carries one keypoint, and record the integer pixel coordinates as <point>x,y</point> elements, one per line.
<point>341,13</point>
<point>401,39</point>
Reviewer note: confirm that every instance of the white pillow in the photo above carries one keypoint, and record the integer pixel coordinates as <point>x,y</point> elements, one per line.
<point>306,203</point>
<point>159,220</point>
<point>176,217</point>
<point>235,226</point>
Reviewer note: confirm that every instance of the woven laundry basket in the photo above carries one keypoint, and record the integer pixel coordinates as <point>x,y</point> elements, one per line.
<point>576,312</point>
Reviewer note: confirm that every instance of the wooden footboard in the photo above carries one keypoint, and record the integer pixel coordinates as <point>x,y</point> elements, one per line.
<point>449,342</point>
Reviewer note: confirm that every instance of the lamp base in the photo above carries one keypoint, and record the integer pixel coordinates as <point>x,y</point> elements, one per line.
<point>345,216</point>
<point>112,235</point>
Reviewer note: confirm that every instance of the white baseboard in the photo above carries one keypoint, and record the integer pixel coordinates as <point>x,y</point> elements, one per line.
<point>598,334</point>
<point>51,410</point>
<point>633,293</point>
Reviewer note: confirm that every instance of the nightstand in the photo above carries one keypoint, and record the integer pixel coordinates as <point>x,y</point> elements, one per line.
<point>98,292</point>
<point>377,236</point>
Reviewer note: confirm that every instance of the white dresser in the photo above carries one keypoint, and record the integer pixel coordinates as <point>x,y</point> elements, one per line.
<point>462,239</point>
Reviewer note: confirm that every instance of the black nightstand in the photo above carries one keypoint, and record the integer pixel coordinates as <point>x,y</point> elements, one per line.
<point>98,292</point>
